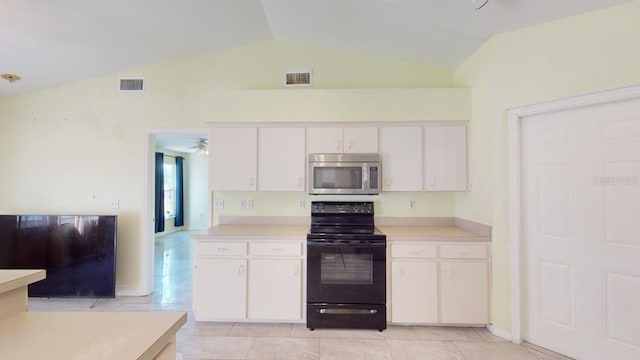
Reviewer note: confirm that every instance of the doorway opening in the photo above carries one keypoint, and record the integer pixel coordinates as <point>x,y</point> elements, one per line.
<point>167,249</point>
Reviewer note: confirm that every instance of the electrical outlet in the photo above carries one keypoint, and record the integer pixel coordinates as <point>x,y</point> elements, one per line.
<point>249,204</point>
<point>115,204</point>
<point>301,204</point>
<point>220,204</point>
<point>243,204</point>
<point>412,205</point>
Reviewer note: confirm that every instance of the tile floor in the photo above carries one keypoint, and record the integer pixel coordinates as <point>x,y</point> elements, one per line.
<point>206,340</point>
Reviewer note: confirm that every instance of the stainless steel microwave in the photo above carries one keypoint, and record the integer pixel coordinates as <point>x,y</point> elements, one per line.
<point>344,174</point>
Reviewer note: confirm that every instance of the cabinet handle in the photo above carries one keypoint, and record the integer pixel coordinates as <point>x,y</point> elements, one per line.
<point>276,249</point>
<point>296,270</point>
<point>299,182</point>
<point>415,252</point>
<point>464,252</point>
<point>252,181</point>
<point>433,182</point>
<point>240,269</point>
<point>447,273</point>
<point>338,144</point>
<point>400,272</point>
<point>223,249</point>
<point>350,144</point>
<point>387,182</point>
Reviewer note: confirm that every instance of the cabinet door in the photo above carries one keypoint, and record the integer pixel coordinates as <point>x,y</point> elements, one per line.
<point>220,289</point>
<point>401,158</point>
<point>275,289</point>
<point>414,292</point>
<point>281,163</point>
<point>325,140</point>
<point>445,158</point>
<point>361,140</point>
<point>464,292</point>
<point>233,158</point>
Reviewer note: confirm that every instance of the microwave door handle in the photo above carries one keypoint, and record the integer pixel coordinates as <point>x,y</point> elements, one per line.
<point>365,177</point>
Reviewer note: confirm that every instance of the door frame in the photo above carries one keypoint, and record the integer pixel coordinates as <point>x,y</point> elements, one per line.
<point>515,117</point>
<point>147,244</point>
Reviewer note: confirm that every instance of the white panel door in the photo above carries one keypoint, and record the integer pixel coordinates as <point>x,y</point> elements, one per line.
<point>233,158</point>
<point>275,289</point>
<point>401,149</point>
<point>581,231</point>
<point>281,163</point>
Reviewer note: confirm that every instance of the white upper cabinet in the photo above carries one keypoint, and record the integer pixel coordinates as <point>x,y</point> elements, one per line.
<point>338,140</point>
<point>281,164</point>
<point>325,140</point>
<point>233,158</point>
<point>445,158</point>
<point>401,149</point>
<point>361,140</point>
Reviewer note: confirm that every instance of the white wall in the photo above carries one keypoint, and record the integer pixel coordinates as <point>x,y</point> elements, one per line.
<point>74,148</point>
<point>196,190</point>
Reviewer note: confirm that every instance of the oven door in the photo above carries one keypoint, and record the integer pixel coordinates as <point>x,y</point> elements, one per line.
<point>346,271</point>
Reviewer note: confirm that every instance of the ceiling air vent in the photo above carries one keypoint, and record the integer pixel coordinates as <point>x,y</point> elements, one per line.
<point>132,84</point>
<point>297,78</point>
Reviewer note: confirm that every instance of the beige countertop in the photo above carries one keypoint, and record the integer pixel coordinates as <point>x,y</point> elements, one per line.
<point>13,279</point>
<point>299,232</point>
<point>246,231</point>
<point>432,233</point>
<point>87,335</point>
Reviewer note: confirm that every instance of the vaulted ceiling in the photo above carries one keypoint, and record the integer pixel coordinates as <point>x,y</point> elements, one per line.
<point>51,42</point>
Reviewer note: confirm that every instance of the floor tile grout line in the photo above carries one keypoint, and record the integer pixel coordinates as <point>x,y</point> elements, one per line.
<point>459,350</point>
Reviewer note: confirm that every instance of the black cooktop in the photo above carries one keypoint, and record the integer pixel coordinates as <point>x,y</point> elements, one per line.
<point>343,220</point>
<point>332,233</point>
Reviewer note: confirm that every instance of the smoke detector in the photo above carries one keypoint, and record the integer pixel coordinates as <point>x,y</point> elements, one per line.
<point>10,77</point>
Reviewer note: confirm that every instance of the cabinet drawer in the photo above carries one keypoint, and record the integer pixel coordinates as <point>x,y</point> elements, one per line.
<point>463,251</point>
<point>418,251</point>
<point>221,248</point>
<point>276,249</point>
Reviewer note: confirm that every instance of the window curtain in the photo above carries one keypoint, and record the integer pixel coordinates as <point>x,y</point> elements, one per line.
<point>179,219</point>
<point>159,192</point>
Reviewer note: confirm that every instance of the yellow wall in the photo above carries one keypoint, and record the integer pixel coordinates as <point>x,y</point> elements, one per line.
<point>587,53</point>
<point>74,148</point>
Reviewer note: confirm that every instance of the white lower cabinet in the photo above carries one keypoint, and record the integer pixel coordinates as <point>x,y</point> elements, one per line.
<point>464,288</point>
<point>248,280</point>
<point>275,289</point>
<point>220,288</point>
<point>435,283</point>
<point>414,291</point>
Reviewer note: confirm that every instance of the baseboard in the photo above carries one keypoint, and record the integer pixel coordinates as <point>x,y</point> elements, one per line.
<point>501,333</point>
<point>129,290</point>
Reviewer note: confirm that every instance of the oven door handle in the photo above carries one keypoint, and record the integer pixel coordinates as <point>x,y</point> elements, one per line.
<point>348,311</point>
<point>356,243</point>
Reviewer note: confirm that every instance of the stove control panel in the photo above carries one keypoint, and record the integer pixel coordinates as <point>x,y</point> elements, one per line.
<point>330,207</point>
